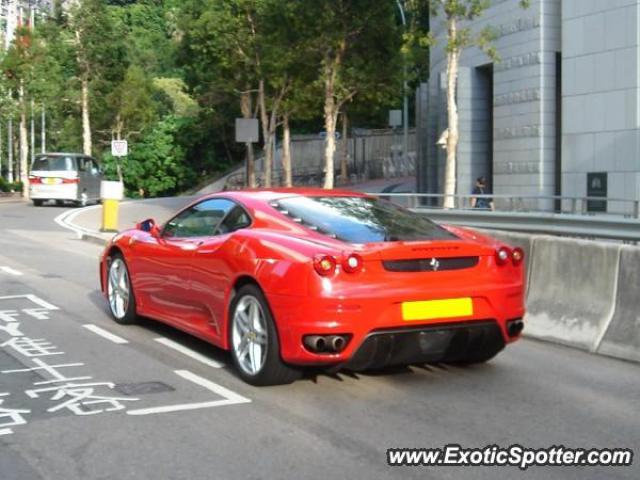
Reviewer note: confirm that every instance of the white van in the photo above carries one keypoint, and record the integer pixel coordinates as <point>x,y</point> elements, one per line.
<point>72,177</point>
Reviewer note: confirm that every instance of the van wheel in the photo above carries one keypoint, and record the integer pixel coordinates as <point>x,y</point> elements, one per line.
<point>37,203</point>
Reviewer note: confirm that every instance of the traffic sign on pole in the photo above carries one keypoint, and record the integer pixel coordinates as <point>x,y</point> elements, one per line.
<point>119,148</point>
<point>247,130</point>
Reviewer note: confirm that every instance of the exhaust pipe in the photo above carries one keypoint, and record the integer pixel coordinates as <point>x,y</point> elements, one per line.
<point>336,342</point>
<point>315,343</point>
<point>514,327</point>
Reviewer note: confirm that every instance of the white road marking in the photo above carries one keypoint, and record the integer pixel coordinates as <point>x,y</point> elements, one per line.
<point>188,352</point>
<point>65,219</point>
<point>34,299</point>
<point>230,397</point>
<point>5,431</point>
<point>11,271</point>
<point>105,334</point>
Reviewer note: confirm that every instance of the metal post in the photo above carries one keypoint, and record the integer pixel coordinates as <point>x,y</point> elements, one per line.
<point>405,100</point>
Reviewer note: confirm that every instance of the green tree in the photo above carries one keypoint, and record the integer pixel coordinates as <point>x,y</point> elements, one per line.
<point>155,165</point>
<point>100,61</point>
<point>357,47</point>
<point>459,37</point>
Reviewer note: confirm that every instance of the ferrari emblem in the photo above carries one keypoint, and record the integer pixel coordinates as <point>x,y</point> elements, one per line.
<point>435,264</point>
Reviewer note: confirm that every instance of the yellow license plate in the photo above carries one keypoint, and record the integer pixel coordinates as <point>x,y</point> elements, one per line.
<point>432,309</point>
<point>52,181</point>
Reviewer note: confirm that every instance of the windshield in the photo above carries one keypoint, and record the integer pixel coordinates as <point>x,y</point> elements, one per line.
<point>54,164</point>
<point>362,220</point>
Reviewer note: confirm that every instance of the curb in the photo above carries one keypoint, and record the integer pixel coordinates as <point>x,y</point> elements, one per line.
<point>65,221</point>
<point>94,238</point>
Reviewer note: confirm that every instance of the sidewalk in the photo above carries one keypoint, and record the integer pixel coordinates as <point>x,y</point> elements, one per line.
<point>11,198</point>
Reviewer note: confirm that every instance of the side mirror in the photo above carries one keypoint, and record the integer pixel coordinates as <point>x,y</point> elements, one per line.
<point>149,225</point>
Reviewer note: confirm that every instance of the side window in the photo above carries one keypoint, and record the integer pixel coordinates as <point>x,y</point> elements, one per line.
<point>83,164</point>
<point>200,220</point>
<point>236,220</point>
<point>95,169</point>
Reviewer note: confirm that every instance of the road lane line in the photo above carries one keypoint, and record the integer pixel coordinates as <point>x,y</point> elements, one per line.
<point>32,298</point>
<point>188,352</point>
<point>5,431</point>
<point>11,271</point>
<point>230,397</point>
<point>105,334</point>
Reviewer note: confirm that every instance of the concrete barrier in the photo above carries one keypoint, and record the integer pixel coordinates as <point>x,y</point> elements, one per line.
<point>622,337</point>
<point>572,290</point>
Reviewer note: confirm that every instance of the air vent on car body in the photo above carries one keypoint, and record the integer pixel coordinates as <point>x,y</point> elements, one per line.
<point>430,264</point>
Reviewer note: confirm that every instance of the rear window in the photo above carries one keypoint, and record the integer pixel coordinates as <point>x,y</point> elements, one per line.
<point>361,220</point>
<point>54,164</point>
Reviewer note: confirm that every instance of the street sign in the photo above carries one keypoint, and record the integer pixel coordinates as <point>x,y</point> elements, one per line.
<point>395,118</point>
<point>247,130</point>
<point>119,148</point>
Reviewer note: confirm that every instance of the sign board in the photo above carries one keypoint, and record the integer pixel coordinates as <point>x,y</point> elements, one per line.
<point>395,118</point>
<point>597,187</point>
<point>247,130</point>
<point>119,148</point>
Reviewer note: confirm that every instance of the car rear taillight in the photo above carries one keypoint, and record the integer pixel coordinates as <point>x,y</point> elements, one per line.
<point>352,263</point>
<point>503,254</point>
<point>517,256</point>
<point>70,180</point>
<point>35,180</point>
<point>325,265</point>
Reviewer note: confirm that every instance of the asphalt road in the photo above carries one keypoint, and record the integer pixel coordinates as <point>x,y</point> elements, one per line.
<point>143,410</point>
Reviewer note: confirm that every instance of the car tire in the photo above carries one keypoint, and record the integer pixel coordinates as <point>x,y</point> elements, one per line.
<point>246,331</point>
<point>122,301</point>
<point>37,203</point>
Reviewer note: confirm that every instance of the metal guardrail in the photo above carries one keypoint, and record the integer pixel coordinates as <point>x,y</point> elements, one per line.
<point>523,203</point>
<point>603,225</point>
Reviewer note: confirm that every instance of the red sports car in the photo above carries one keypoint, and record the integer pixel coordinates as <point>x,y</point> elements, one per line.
<point>288,278</point>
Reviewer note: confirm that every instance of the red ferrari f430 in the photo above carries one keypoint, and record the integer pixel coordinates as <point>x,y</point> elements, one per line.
<point>285,279</point>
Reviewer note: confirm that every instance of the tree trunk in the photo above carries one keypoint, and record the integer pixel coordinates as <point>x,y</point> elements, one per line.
<point>10,149</point>
<point>245,108</point>
<point>344,160</point>
<point>286,151</point>
<point>87,146</point>
<point>453,56</point>
<point>267,137</point>
<point>24,146</point>
<point>330,128</point>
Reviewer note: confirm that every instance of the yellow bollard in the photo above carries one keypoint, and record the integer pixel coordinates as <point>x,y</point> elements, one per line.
<point>110,209</point>
<point>111,193</point>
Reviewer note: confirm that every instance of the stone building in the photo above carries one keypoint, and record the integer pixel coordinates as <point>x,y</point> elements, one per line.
<point>559,114</point>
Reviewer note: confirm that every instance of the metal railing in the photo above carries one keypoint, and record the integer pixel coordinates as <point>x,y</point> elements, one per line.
<point>515,213</point>
<point>524,203</point>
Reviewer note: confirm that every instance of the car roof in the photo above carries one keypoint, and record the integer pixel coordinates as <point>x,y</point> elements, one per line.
<point>271,194</point>
<point>61,154</point>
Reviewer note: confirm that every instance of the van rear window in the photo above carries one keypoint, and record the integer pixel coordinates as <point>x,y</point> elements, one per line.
<point>54,164</point>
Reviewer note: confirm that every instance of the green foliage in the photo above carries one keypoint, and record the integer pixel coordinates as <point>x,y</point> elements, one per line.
<point>6,187</point>
<point>155,164</point>
<point>167,75</point>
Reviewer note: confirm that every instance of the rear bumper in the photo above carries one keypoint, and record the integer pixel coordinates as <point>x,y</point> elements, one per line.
<point>53,192</point>
<point>376,324</point>
<point>437,343</point>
